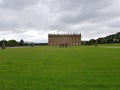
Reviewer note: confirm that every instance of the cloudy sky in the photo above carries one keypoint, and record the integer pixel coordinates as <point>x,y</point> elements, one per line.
<point>32,20</point>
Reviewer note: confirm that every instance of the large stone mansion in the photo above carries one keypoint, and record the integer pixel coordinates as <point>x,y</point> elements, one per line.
<point>64,40</point>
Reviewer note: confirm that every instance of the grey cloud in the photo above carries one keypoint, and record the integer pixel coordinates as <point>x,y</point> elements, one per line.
<point>17,4</point>
<point>82,10</point>
<point>89,17</point>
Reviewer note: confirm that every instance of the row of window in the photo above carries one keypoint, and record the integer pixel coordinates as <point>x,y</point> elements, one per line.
<point>64,38</point>
<point>64,41</point>
<point>68,44</point>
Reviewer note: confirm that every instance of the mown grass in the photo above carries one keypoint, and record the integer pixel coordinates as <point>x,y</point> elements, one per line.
<point>54,68</point>
<point>110,44</point>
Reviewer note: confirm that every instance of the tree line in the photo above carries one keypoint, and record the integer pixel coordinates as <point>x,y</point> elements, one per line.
<point>14,43</point>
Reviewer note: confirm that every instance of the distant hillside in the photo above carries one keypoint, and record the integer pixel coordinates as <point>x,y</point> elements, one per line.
<point>114,38</point>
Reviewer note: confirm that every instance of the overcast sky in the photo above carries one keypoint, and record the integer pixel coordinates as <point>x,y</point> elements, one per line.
<point>32,20</point>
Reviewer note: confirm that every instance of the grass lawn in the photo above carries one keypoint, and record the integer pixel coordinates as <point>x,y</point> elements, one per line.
<point>54,68</point>
<point>110,44</point>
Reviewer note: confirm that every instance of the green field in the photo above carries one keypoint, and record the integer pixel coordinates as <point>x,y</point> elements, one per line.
<point>110,45</point>
<point>54,68</point>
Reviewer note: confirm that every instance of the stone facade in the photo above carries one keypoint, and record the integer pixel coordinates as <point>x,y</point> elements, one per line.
<point>64,40</point>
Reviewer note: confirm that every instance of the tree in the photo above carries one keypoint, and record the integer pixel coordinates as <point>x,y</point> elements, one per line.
<point>21,42</point>
<point>12,43</point>
<point>92,41</point>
